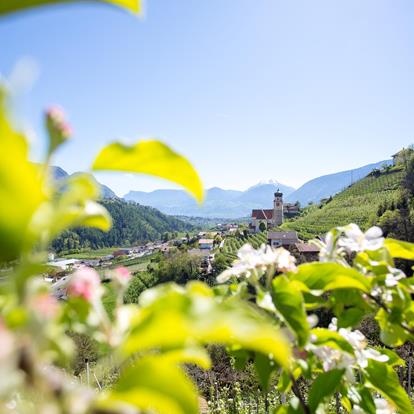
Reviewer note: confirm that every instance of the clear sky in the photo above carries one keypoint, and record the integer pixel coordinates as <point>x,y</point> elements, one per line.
<point>247,90</point>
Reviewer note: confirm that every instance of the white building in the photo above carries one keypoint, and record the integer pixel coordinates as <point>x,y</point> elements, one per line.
<point>206,244</point>
<point>282,238</point>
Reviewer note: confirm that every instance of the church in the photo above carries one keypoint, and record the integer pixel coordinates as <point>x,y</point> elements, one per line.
<point>272,217</point>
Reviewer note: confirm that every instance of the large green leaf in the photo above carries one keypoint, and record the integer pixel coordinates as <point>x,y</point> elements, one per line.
<point>10,6</point>
<point>73,206</point>
<point>324,386</point>
<point>400,249</point>
<point>21,189</point>
<point>330,276</point>
<point>152,384</point>
<point>173,316</point>
<point>289,303</point>
<point>154,158</point>
<point>385,380</point>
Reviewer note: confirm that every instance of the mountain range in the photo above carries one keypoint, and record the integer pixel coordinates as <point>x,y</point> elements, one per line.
<point>235,204</point>
<point>231,204</point>
<point>218,202</point>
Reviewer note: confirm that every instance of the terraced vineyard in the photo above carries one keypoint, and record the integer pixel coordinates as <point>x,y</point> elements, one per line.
<point>233,244</point>
<point>356,204</point>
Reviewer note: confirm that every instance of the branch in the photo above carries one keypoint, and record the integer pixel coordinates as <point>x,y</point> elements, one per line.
<point>299,395</point>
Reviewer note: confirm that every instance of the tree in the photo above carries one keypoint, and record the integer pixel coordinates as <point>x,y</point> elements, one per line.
<point>262,226</point>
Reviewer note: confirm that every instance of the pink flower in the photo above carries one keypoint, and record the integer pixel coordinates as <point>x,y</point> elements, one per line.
<point>85,283</point>
<point>56,118</point>
<point>122,275</point>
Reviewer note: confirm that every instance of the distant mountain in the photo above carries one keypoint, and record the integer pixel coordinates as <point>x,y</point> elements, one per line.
<point>218,202</point>
<point>328,185</point>
<point>59,173</point>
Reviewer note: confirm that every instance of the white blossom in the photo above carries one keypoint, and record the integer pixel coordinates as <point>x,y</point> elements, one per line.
<point>334,358</point>
<point>251,260</point>
<point>355,240</point>
<point>383,406</point>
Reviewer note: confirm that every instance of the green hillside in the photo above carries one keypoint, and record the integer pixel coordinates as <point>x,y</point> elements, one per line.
<point>358,204</point>
<point>233,244</point>
<point>132,224</point>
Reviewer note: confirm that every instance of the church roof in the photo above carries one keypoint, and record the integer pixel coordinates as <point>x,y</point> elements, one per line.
<point>262,214</point>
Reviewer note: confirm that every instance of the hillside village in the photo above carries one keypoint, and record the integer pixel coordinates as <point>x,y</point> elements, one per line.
<point>285,225</point>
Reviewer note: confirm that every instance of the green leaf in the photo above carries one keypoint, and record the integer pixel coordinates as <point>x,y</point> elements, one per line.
<point>289,303</point>
<point>400,249</point>
<point>22,189</point>
<point>153,158</point>
<point>154,385</point>
<point>11,6</point>
<point>197,356</point>
<point>392,334</point>
<point>324,386</point>
<point>330,276</point>
<point>384,379</point>
<point>172,316</point>
<point>264,368</point>
<point>73,207</point>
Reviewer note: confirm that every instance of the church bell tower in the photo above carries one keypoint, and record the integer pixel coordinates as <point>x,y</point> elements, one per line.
<point>278,208</point>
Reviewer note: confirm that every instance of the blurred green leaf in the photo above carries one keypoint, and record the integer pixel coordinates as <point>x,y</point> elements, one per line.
<point>392,334</point>
<point>11,6</point>
<point>385,380</point>
<point>324,386</point>
<point>153,158</point>
<point>400,249</point>
<point>152,384</point>
<point>330,276</point>
<point>21,189</point>
<point>264,368</point>
<point>289,303</point>
<point>172,316</point>
<point>74,206</point>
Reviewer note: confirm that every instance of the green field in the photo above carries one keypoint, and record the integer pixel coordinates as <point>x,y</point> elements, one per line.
<point>233,244</point>
<point>91,253</point>
<point>356,204</point>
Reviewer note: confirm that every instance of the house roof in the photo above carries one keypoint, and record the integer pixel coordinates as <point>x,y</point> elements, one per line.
<point>307,248</point>
<point>283,235</point>
<point>262,214</point>
<point>206,241</point>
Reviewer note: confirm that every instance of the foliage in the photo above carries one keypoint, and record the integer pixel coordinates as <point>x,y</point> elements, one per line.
<point>333,360</point>
<point>179,267</point>
<point>12,6</point>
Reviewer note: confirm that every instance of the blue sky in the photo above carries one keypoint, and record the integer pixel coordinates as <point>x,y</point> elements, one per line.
<point>247,90</point>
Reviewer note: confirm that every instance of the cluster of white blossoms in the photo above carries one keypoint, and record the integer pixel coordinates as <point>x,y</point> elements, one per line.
<point>391,280</point>
<point>251,260</point>
<point>355,240</point>
<point>348,239</point>
<point>336,359</point>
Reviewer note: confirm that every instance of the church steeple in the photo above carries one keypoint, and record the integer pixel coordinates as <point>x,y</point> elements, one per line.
<point>278,208</point>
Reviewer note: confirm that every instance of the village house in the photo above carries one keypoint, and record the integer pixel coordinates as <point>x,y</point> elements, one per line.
<point>282,238</point>
<point>268,218</point>
<point>305,252</point>
<point>206,244</point>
